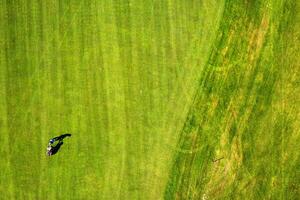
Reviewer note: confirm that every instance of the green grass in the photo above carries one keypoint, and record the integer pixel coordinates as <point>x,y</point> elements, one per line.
<point>153,92</point>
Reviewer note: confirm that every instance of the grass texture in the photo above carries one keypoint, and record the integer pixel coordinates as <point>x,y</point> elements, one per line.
<point>194,99</point>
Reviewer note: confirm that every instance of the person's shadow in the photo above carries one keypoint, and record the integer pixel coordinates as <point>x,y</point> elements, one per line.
<point>55,149</point>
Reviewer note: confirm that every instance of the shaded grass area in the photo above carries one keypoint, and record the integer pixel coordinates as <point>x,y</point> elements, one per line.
<point>240,137</point>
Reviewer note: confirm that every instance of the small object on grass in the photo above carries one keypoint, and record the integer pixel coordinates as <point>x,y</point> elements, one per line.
<point>218,159</point>
<point>53,149</point>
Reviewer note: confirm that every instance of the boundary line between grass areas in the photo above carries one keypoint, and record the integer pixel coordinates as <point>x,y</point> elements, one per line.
<point>194,77</point>
<point>187,82</point>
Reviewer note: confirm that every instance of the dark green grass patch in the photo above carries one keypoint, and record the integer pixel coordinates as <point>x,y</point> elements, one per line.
<point>231,145</point>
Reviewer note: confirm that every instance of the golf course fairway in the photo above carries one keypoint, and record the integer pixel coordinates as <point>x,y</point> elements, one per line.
<point>191,99</point>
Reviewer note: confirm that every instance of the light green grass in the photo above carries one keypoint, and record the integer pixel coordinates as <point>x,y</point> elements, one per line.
<point>152,92</point>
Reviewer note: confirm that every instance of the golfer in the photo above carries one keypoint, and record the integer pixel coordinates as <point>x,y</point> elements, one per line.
<point>53,149</point>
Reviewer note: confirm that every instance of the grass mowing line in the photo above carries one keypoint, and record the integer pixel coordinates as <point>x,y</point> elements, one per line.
<point>115,94</point>
<point>6,185</point>
<point>122,87</point>
<point>159,30</point>
<point>133,70</point>
<point>136,149</point>
<point>99,78</point>
<point>191,78</point>
<point>6,177</point>
<point>185,82</point>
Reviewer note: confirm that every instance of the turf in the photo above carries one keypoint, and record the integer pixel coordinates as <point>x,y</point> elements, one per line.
<point>164,99</point>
